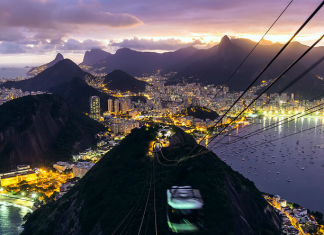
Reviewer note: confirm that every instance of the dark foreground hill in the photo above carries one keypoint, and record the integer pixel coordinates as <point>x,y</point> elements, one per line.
<point>77,93</point>
<point>111,197</point>
<point>42,129</point>
<point>61,72</point>
<point>119,80</point>
<point>41,68</point>
<point>200,112</point>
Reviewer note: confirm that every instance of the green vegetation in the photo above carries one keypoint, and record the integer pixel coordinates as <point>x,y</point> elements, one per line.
<point>119,80</point>
<point>77,93</point>
<point>62,129</point>
<point>106,194</point>
<point>200,112</point>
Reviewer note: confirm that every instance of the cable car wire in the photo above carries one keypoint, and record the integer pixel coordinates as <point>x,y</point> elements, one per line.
<point>266,67</point>
<point>148,196</point>
<point>280,122</point>
<point>135,205</point>
<point>252,50</point>
<point>267,128</point>
<point>273,82</point>
<point>154,196</point>
<point>280,138</point>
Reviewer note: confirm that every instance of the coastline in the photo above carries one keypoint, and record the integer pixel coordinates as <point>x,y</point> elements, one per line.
<point>17,202</point>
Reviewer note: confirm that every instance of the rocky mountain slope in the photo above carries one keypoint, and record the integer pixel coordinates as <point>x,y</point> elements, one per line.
<point>63,71</point>
<point>42,129</point>
<point>77,93</point>
<point>111,197</point>
<point>138,63</point>
<point>119,80</point>
<point>94,56</point>
<point>36,70</point>
<point>217,66</point>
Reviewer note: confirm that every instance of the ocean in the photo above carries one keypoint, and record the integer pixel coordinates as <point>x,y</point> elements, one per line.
<point>11,218</point>
<point>292,167</point>
<point>13,72</point>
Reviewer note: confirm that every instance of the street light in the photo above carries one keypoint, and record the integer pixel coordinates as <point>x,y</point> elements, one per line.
<point>34,195</point>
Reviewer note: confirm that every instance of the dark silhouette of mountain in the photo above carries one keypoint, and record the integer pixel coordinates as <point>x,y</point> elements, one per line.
<point>77,92</point>
<point>61,72</point>
<point>98,204</point>
<point>42,129</point>
<point>119,80</point>
<point>94,56</point>
<point>138,63</point>
<point>216,66</point>
<point>200,112</point>
<point>36,70</point>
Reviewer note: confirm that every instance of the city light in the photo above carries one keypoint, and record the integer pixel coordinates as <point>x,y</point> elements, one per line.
<point>34,195</point>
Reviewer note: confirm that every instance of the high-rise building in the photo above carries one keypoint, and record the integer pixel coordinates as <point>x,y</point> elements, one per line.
<point>95,107</point>
<point>116,106</point>
<point>129,103</point>
<point>110,105</point>
<point>123,107</point>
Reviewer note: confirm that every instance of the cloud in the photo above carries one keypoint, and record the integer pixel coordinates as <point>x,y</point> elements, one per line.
<point>73,44</point>
<point>151,44</point>
<point>59,15</point>
<point>13,48</point>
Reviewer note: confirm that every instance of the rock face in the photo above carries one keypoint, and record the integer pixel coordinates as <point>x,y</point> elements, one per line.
<point>119,80</point>
<point>112,196</point>
<point>94,56</point>
<point>39,69</point>
<point>138,63</point>
<point>63,71</point>
<point>42,129</point>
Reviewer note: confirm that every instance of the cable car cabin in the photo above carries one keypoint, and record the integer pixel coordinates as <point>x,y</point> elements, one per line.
<point>157,146</point>
<point>185,212</point>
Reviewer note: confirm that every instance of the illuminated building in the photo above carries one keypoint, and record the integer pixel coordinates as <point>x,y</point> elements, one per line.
<point>95,107</point>
<point>110,105</point>
<point>81,169</point>
<point>116,106</point>
<point>24,173</point>
<point>123,107</point>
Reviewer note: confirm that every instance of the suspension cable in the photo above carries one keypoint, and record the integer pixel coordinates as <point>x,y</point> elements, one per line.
<point>148,196</point>
<point>266,67</point>
<point>277,79</point>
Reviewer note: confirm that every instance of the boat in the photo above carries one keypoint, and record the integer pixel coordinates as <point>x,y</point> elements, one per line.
<point>289,180</point>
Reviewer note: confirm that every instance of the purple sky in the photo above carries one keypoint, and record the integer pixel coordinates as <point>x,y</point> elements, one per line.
<point>33,31</point>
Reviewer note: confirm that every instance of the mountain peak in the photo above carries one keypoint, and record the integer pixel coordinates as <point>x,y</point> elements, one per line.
<point>225,40</point>
<point>59,57</point>
<point>95,55</point>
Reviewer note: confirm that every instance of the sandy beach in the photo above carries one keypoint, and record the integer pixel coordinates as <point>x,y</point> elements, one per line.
<point>17,201</point>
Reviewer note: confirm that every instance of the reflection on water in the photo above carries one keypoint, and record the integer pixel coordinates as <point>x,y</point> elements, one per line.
<point>299,158</point>
<point>11,218</point>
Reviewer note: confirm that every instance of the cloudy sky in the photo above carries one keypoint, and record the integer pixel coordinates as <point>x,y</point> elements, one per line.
<point>33,31</point>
